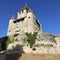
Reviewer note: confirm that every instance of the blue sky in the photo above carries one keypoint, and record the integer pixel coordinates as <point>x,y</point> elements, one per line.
<point>47,12</point>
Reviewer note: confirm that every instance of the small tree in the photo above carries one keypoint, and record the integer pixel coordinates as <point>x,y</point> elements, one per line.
<point>31,38</point>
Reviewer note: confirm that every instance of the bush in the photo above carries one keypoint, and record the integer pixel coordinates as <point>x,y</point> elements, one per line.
<point>31,38</point>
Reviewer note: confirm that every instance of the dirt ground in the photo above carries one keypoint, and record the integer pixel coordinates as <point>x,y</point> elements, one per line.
<point>40,57</point>
<point>33,57</point>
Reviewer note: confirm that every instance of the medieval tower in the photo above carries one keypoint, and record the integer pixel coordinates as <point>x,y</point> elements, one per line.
<point>25,22</point>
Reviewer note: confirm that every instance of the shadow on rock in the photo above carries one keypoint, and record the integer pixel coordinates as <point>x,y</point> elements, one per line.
<point>15,53</point>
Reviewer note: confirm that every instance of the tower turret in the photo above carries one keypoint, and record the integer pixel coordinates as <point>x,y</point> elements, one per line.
<point>11,26</point>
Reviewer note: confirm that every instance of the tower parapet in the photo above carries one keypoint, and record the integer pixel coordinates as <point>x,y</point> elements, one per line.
<point>23,12</point>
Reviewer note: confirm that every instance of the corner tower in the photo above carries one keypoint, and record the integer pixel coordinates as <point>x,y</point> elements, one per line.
<point>25,22</point>
<point>11,26</point>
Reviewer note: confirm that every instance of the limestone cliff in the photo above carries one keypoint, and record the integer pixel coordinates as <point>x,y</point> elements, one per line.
<point>45,43</point>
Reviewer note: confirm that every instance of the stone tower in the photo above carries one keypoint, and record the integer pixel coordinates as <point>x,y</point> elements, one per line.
<point>25,22</point>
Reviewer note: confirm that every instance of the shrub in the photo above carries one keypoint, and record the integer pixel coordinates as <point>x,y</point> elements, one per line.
<point>31,38</point>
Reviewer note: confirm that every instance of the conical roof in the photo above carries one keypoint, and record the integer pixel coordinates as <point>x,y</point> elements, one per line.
<point>25,8</point>
<point>12,18</point>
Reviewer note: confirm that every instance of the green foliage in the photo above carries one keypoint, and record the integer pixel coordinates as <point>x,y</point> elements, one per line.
<point>31,38</point>
<point>9,40</point>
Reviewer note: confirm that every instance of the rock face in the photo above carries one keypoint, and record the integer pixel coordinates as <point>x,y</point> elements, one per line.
<point>45,43</point>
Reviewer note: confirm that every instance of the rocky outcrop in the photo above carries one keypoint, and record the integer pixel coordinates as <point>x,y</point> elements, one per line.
<point>45,43</point>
